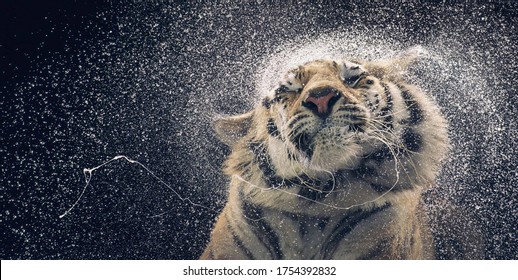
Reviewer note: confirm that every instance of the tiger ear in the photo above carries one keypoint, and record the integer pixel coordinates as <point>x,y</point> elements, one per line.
<point>395,67</point>
<point>231,129</point>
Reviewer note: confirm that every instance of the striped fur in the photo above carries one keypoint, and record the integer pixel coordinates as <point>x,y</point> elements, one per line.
<point>341,185</point>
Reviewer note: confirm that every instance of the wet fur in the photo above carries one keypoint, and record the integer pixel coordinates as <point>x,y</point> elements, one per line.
<point>344,187</point>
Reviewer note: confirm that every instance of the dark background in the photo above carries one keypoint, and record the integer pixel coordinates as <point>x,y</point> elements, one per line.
<point>85,81</point>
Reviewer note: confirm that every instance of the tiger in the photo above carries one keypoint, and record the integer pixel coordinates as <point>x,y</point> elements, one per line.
<point>332,164</point>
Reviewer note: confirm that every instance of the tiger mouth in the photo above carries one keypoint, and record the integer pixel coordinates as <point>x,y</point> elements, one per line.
<point>306,142</point>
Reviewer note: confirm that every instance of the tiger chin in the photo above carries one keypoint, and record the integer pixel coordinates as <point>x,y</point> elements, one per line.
<point>332,165</point>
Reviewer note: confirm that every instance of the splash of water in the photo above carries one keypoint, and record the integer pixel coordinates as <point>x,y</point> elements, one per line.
<point>340,45</point>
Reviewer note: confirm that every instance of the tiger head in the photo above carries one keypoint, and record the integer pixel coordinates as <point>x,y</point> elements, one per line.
<point>319,115</point>
<point>327,117</point>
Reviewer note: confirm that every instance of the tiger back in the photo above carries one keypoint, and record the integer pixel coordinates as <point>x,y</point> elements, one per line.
<point>332,165</point>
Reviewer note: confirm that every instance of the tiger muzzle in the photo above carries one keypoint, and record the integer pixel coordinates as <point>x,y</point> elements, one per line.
<point>321,101</point>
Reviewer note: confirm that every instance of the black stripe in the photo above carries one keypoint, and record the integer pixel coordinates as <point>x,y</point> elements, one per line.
<point>370,105</point>
<point>300,220</point>
<point>262,230</point>
<point>344,227</point>
<point>322,223</point>
<point>245,165</point>
<point>272,128</point>
<point>376,102</point>
<point>239,244</point>
<point>416,114</point>
<point>383,154</point>
<point>354,119</point>
<point>304,222</point>
<point>350,109</point>
<point>296,130</point>
<point>366,169</point>
<point>303,227</point>
<point>278,99</point>
<point>379,188</point>
<point>351,80</point>
<point>291,155</point>
<point>263,160</point>
<point>281,89</point>
<point>412,140</point>
<point>358,127</point>
<point>299,74</point>
<point>244,168</point>
<point>375,252</point>
<point>315,192</point>
<point>369,166</point>
<point>266,103</point>
<point>297,118</point>
<point>302,142</point>
<point>386,111</point>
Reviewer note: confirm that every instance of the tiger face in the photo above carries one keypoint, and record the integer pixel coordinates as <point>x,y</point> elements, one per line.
<point>338,132</point>
<point>321,114</point>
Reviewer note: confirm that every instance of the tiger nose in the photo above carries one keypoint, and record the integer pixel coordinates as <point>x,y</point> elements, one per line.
<point>321,101</point>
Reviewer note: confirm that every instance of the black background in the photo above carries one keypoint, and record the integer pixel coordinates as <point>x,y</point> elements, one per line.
<point>84,81</point>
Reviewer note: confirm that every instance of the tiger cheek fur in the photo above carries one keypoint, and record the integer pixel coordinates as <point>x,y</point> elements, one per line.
<point>331,165</point>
